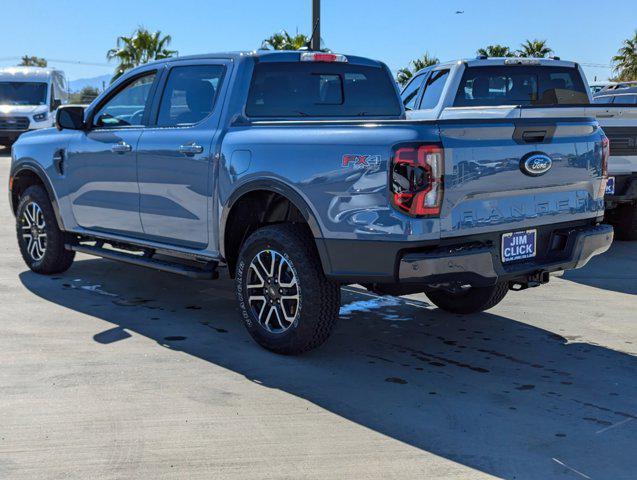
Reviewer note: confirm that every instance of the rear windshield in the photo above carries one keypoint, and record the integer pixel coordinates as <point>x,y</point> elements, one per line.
<point>317,89</point>
<point>521,85</point>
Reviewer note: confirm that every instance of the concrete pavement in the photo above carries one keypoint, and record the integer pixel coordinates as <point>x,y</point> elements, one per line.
<point>111,371</point>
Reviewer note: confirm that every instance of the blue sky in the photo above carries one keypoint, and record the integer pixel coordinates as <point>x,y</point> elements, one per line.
<point>393,31</point>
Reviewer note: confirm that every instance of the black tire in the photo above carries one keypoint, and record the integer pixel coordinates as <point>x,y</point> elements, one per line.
<point>53,258</point>
<point>316,309</point>
<point>624,220</point>
<point>472,300</point>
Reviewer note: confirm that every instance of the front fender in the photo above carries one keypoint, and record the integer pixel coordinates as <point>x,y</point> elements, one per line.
<point>35,168</point>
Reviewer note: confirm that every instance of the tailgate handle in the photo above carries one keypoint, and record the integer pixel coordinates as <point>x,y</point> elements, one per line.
<point>534,136</point>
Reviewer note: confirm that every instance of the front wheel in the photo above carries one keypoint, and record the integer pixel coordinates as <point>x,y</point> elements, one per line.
<point>468,300</point>
<point>40,239</point>
<point>287,303</point>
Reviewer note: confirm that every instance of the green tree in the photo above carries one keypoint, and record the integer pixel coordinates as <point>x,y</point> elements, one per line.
<point>405,74</point>
<point>625,62</point>
<point>284,41</point>
<point>85,96</point>
<point>32,61</point>
<point>495,51</point>
<point>141,47</point>
<point>534,48</point>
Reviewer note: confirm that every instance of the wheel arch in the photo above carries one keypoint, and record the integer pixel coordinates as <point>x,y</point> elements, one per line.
<point>279,191</point>
<point>25,175</point>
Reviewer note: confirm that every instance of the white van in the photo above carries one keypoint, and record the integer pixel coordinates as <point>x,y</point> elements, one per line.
<point>29,97</point>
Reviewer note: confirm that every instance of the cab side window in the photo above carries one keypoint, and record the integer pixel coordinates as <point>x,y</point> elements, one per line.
<point>411,91</point>
<point>189,95</point>
<point>128,106</point>
<point>433,89</point>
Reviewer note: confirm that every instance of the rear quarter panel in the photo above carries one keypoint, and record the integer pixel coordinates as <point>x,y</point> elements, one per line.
<point>348,201</point>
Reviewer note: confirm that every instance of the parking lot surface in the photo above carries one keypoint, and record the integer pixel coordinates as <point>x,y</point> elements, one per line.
<point>114,371</point>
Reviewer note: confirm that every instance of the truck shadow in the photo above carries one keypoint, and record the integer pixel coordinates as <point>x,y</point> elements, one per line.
<point>488,392</point>
<point>614,270</point>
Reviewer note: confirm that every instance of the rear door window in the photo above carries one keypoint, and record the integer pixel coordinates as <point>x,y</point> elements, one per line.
<point>433,89</point>
<point>521,85</point>
<point>411,91</point>
<point>189,95</point>
<point>320,89</point>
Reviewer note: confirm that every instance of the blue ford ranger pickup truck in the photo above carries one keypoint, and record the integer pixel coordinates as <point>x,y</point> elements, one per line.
<point>299,173</point>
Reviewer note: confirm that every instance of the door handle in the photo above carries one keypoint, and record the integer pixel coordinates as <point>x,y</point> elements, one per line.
<point>121,147</point>
<point>190,149</point>
<point>536,136</point>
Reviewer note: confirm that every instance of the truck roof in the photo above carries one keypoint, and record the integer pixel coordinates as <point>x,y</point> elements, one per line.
<point>266,55</point>
<point>26,73</point>
<point>495,61</point>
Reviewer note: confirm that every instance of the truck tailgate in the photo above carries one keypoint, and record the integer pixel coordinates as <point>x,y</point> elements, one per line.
<point>619,122</point>
<point>488,188</point>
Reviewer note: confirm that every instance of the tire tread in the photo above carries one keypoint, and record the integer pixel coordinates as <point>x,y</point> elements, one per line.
<point>56,259</point>
<point>320,311</point>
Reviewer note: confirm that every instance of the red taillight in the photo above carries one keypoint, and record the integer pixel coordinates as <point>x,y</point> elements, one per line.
<point>322,57</point>
<point>605,155</point>
<point>417,179</point>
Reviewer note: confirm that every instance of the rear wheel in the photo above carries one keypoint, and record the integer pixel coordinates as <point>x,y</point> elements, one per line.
<point>624,220</point>
<point>40,240</point>
<point>287,303</point>
<point>468,300</point>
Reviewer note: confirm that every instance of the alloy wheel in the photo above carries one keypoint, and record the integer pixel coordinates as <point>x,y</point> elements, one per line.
<point>273,291</point>
<point>33,229</point>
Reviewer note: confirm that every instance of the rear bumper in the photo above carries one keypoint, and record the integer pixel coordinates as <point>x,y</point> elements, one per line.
<point>473,260</point>
<point>481,265</point>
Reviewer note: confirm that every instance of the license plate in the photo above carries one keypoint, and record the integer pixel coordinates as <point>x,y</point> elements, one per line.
<point>519,245</point>
<point>610,186</point>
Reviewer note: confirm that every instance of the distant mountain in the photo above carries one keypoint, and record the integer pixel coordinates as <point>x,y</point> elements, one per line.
<point>97,82</point>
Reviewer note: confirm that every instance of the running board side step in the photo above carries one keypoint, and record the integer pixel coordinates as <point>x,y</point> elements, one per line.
<point>143,261</point>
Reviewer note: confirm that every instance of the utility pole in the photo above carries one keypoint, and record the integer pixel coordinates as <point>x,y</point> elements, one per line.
<point>315,43</point>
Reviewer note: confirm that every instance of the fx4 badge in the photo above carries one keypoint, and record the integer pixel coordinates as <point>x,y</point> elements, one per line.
<point>360,161</point>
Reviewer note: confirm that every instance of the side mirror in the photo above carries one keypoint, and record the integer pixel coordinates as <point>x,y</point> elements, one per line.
<point>55,104</point>
<point>70,117</point>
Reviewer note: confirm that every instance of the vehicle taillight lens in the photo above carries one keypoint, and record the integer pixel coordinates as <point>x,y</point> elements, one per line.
<point>417,179</point>
<point>322,57</point>
<point>605,155</point>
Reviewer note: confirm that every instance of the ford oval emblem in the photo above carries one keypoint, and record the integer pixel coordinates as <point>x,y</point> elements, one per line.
<point>535,164</point>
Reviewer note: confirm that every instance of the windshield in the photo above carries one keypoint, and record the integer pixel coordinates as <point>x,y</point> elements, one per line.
<point>23,93</point>
<point>521,85</point>
<point>317,89</point>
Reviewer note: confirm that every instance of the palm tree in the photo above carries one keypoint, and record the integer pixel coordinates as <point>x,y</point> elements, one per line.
<point>284,41</point>
<point>27,61</point>
<point>534,48</point>
<point>625,62</point>
<point>141,47</point>
<point>405,74</point>
<point>495,51</point>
